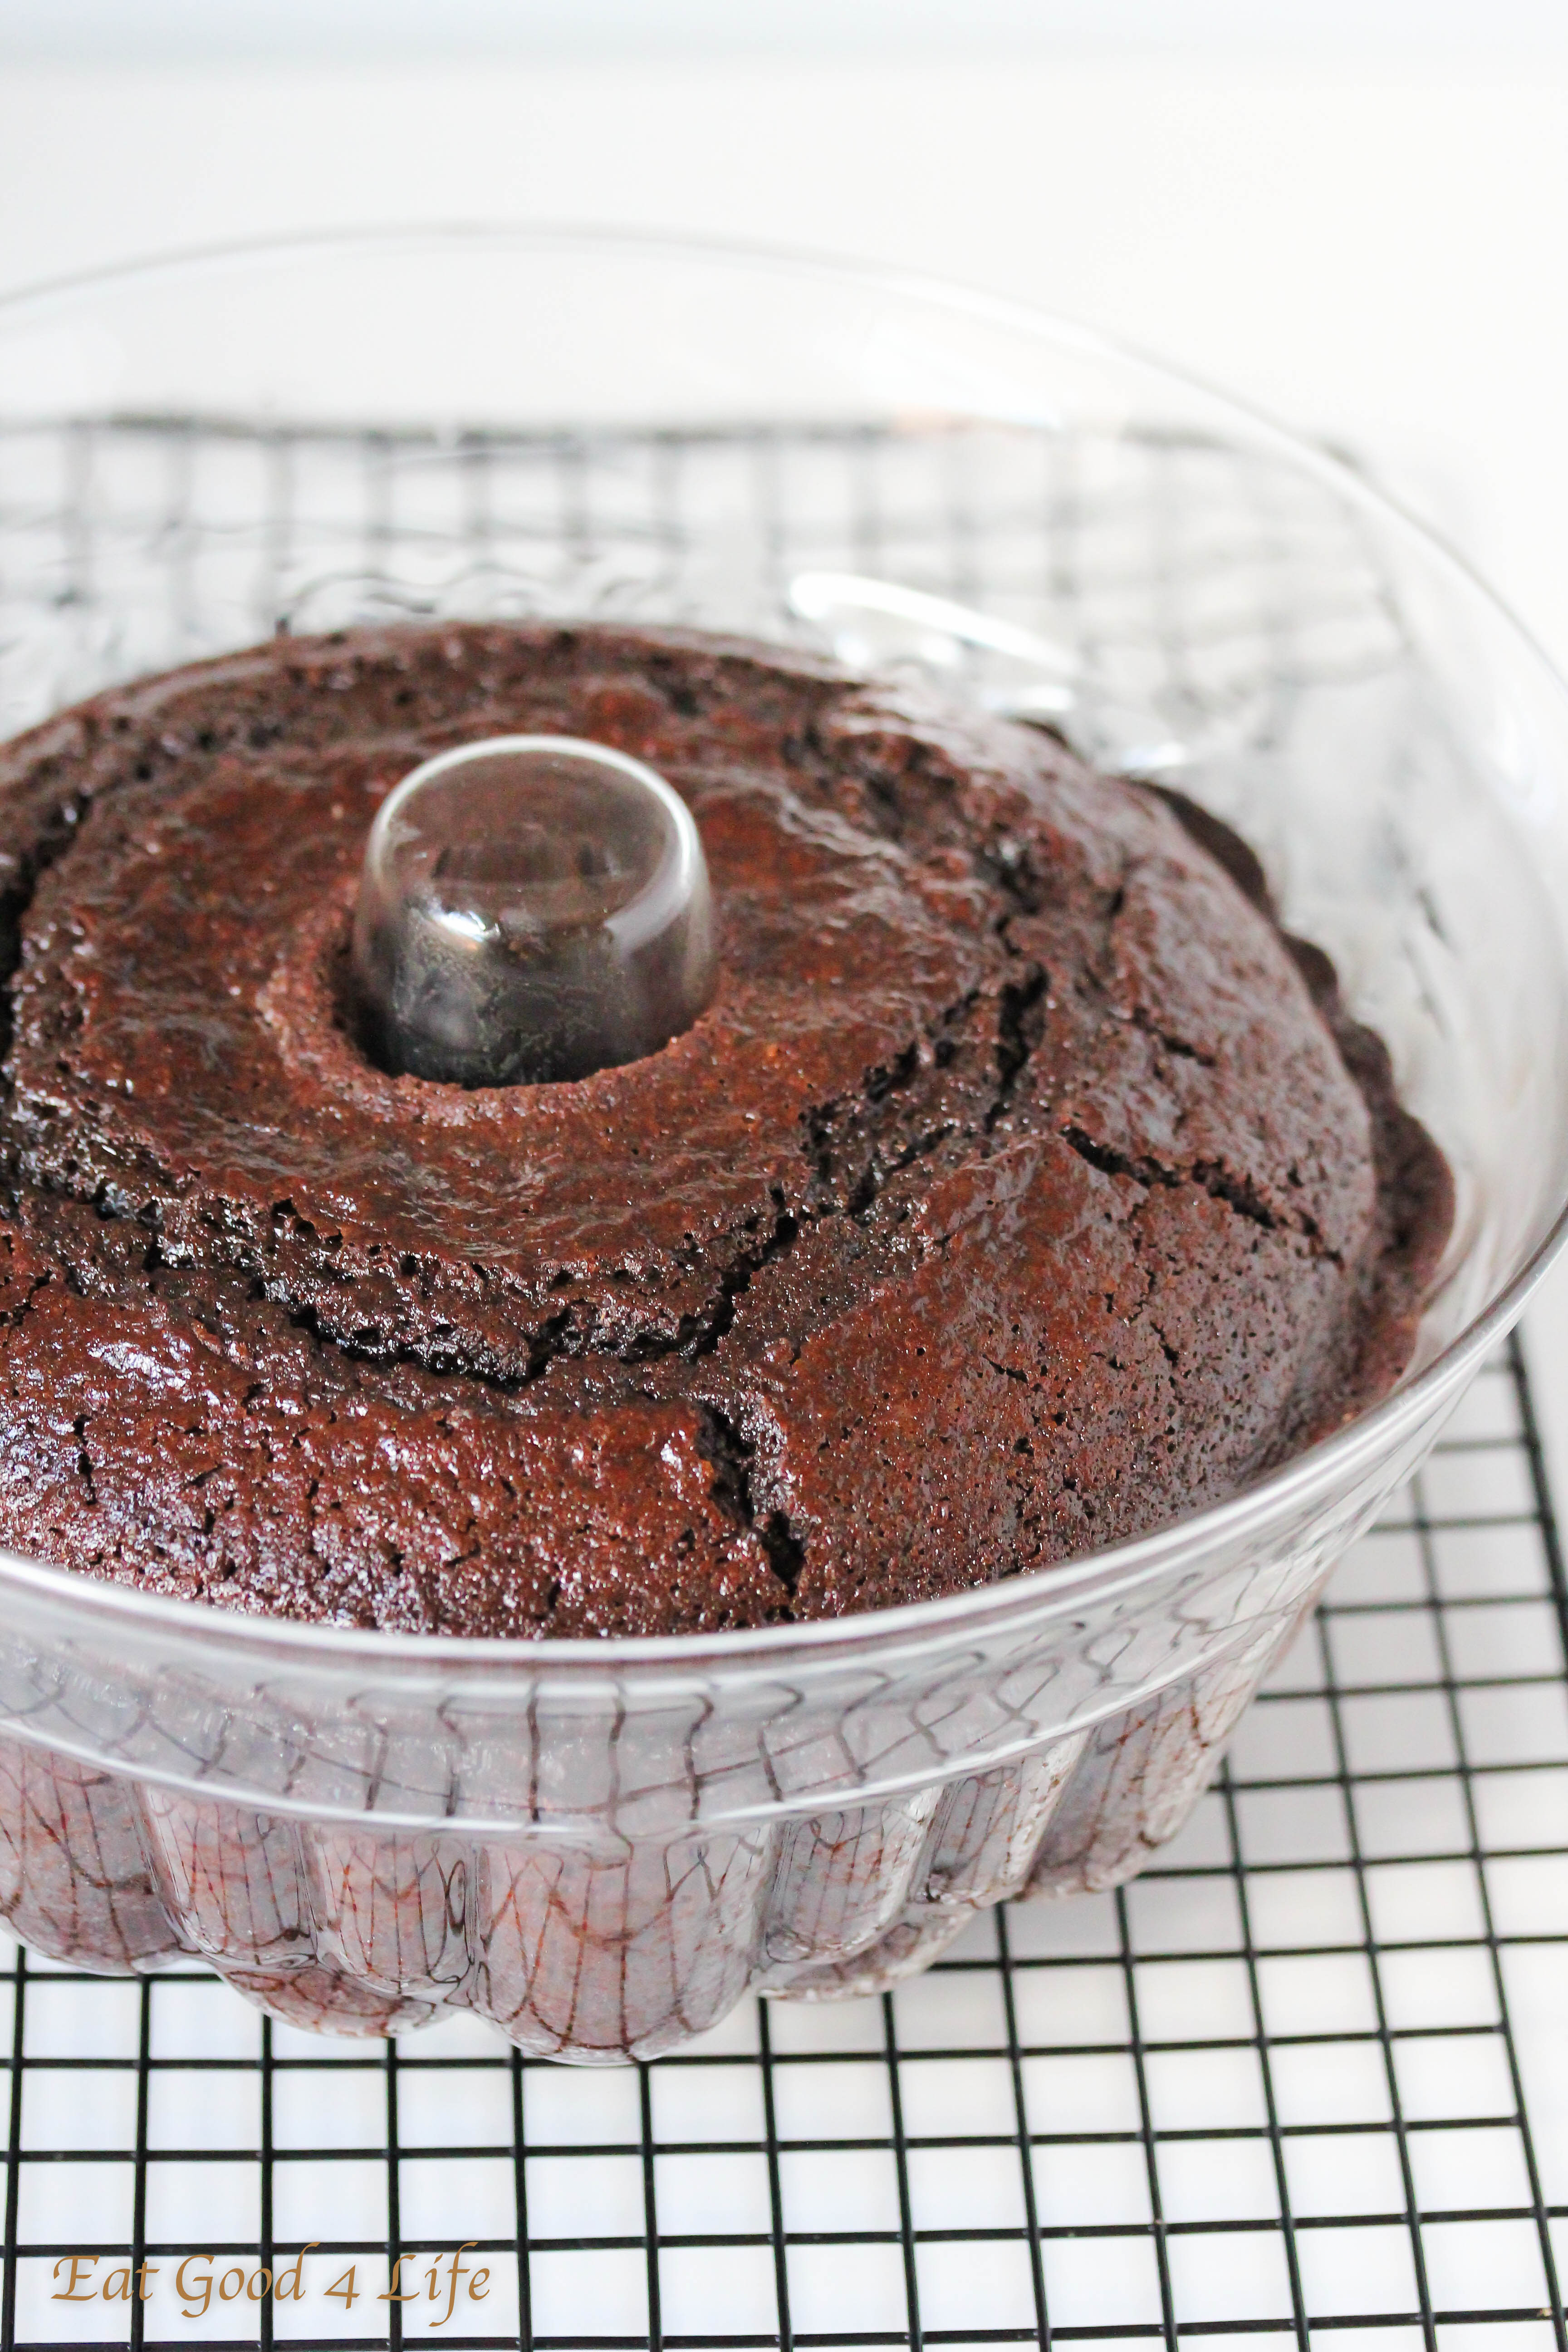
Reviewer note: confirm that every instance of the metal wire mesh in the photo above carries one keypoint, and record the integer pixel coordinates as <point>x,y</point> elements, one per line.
<point>1200,584</point>
<point>1305,2075</point>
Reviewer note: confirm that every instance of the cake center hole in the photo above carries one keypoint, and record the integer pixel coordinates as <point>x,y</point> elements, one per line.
<point>532,907</point>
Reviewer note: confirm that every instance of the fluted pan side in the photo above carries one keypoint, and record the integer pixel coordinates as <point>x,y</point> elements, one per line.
<point>631,1925</point>
<point>390,1912</point>
<point>980,1841</point>
<point>589,1950</point>
<point>600,1956</point>
<point>840,1880</point>
<point>1139,1774</point>
<point>74,1876</point>
<point>229,1880</point>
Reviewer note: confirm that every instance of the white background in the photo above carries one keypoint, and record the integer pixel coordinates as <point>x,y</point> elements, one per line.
<point>1353,211</point>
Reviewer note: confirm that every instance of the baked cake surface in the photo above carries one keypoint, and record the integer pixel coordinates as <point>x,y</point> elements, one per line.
<point>1022,1189</point>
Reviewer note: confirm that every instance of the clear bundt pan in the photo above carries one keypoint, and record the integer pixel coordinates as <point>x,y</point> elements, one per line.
<point>601,1845</point>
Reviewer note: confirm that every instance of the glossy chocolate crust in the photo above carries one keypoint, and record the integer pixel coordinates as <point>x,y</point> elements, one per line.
<point>1021,1189</point>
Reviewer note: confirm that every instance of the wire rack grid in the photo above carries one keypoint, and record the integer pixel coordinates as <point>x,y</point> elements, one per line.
<point>1197,583</point>
<point>1307,2077</point>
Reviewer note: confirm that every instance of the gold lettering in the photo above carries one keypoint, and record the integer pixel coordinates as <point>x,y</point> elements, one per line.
<point>79,2263</point>
<point>282,2291</point>
<point>458,2268</point>
<point>392,2295</point>
<point>346,2287</point>
<point>201,2287</point>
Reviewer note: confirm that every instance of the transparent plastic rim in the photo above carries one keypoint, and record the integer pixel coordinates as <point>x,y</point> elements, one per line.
<point>1037,1593</point>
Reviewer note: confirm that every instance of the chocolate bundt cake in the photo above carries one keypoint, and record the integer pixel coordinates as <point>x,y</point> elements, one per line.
<point>1023,1188</point>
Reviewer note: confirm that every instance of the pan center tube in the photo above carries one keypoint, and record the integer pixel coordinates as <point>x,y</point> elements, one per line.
<point>531,908</point>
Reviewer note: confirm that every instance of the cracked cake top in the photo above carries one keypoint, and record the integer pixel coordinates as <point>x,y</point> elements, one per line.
<point>1024,1187</point>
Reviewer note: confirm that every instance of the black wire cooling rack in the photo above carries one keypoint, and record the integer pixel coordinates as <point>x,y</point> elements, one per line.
<point>1310,2072</point>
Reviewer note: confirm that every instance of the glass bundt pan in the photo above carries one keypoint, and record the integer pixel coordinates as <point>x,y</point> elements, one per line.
<point>600,1846</point>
